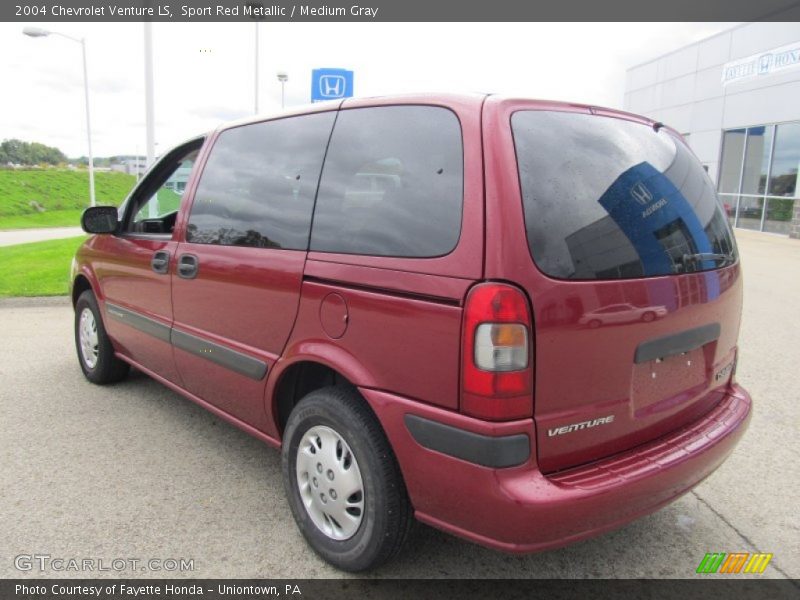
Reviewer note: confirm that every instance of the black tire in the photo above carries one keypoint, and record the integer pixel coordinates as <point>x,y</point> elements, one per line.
<point>107,368</point>
<point>387,514</point>
<point>649,317</point>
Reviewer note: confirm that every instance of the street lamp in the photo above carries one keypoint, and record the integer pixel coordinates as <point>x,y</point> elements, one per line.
<point>256,14</point>
<point>256,71</point>
<point>38,32</point>
<point>283,78</point>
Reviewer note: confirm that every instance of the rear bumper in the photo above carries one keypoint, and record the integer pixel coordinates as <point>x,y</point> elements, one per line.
<point>519,509</point>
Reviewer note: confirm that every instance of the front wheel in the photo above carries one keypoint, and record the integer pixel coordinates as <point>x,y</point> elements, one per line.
<point>95,351</point>
<point>343,482</point>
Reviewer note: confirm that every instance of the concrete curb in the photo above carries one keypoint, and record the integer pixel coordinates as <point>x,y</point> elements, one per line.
<point>34,301</point>
<point>16,229</point>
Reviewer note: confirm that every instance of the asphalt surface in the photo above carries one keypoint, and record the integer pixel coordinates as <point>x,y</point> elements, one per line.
<point>136,471</point>
<point>10,237</point>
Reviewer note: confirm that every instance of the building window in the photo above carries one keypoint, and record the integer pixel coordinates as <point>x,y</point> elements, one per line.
<point>731,169</point>
<point>758,176</point>
<point>756,160</point>
<point>785,161</point>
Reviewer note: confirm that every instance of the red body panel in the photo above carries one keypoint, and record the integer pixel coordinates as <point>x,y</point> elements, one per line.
<point>122,267</point>
<point>417,361</point>
<point>242,298</point>
<point>393,327</point>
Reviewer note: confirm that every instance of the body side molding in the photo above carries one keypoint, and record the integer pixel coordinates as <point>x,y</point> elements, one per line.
<point>488,451</point>
<point>225,357</point>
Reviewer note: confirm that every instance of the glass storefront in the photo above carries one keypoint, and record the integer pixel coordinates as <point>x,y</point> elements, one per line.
<point>758,176</point>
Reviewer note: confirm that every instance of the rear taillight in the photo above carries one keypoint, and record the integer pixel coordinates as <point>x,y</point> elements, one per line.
<point>496,366</point>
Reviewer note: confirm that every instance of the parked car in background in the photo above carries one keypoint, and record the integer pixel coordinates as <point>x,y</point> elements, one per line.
<point>622,313</point>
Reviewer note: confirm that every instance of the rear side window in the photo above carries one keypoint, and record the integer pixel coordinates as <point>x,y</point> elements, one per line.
<point>392,183</point>
<point>606,198</point>
<point>258,186</point>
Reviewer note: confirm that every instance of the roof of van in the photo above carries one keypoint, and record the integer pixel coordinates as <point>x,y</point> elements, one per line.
<point>429,98</point>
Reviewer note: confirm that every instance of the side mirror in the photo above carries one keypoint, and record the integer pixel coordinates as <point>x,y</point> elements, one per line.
<point>100,219</point>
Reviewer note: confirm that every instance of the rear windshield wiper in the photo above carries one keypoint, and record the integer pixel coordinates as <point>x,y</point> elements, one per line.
<point>689,261</point>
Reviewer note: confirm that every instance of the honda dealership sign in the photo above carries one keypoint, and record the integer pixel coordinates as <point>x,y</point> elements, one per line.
<point>764,63</point>
<point>331,84</point>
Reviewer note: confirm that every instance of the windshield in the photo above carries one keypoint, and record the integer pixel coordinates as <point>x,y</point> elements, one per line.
<point>607,198</point>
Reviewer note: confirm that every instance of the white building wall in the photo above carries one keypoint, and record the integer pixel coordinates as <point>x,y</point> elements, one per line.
<point>684,89</point>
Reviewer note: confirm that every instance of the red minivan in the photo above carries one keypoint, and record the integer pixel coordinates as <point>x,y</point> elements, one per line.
<point>510,319</point>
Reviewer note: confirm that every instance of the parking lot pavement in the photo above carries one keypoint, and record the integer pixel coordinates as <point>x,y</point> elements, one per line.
<point>136,471</point>
<point>12,237</point>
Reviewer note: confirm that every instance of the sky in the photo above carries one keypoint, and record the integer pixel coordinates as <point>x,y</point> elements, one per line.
<point>204,72</point>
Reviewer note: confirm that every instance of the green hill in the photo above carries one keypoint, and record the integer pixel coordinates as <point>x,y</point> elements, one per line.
<point>55,197</point>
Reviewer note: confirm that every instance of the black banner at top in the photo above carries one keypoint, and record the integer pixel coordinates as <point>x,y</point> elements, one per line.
<point>398,10</point>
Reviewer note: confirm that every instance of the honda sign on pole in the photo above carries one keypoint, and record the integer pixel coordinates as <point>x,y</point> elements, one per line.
<point>331,84</point>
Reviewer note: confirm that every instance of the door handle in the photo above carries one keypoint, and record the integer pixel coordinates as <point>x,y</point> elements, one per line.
<point>160,261</point>
<point>187,266</point>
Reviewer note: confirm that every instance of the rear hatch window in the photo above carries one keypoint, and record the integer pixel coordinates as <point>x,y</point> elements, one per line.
<point>608,198</point>
<point>647,345</point>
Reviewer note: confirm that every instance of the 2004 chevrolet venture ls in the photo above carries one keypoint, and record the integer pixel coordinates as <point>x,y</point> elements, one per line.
<point>513,320</point>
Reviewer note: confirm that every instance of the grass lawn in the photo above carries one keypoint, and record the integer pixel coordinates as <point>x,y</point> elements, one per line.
<point>56,218</point>
<point>37,269</point>
<point>61,193</point>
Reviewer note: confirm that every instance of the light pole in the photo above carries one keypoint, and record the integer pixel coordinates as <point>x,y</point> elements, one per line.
<point>38,32</point>
<point>258,9</point>
<point>153,210</point>
<point>149,110</point>
<point>256,72</point>
<point>283,78</point>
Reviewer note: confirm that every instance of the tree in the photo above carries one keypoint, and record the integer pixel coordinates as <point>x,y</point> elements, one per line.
<point>29,153</point>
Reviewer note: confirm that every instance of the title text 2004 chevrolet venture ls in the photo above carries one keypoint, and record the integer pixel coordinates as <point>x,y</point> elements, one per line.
<point>403,295</point>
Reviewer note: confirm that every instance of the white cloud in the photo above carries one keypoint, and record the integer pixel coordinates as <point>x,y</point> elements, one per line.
<point>204,72</point>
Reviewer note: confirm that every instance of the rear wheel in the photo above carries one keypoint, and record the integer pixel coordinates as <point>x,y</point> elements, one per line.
<point>648,317</point>
<point>95,351</point>
<point>594,323</point>
<point>343,482</point>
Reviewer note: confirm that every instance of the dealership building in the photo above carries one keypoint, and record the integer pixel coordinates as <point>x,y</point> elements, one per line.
<point>735,96</point>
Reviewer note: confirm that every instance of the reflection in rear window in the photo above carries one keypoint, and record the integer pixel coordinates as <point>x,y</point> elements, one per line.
<point>606,198</point>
